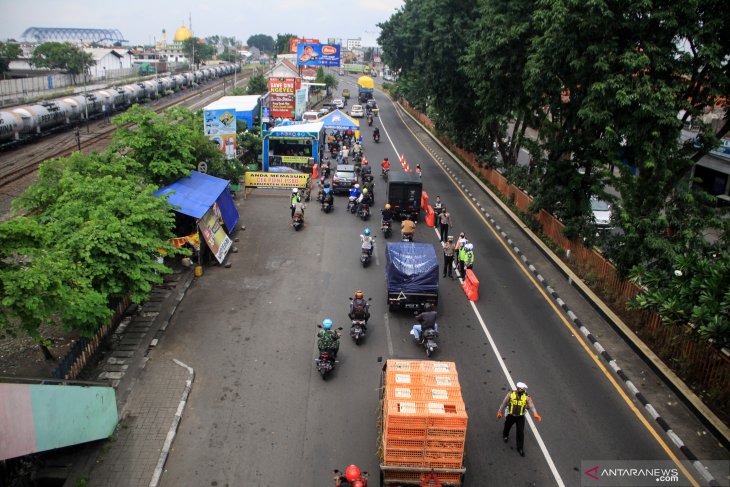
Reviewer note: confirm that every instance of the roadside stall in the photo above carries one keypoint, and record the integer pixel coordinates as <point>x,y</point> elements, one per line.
<point>296,145</point>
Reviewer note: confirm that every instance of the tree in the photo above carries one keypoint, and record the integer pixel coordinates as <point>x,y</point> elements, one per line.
<point>263,42</point>
<point>65,56</point>
<point>330,82</point>
<point>8,52</point>
<point>368,55</point>
<point>257,84</point>
<point>282,42</point>
<point>201,51</point>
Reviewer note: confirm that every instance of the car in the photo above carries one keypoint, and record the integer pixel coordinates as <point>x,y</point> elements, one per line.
<point>310,116</point>
<point>356,111</point>
<point>323,111</point>
<point>345,93</point>
<point>338,103</point>
<point>344,178</point>
<point>601,212</point>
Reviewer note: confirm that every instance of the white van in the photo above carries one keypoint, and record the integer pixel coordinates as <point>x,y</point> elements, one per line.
<point>309,116</point>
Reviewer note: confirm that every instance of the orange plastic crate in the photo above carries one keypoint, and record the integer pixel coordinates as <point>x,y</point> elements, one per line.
<point>457,433</point>
<point>396,430</point>
<point>422,393</point>
<point>394,477</point>
<point>439,443</point>
<point>404,442</point>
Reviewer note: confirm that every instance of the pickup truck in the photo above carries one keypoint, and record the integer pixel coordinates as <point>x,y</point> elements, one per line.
<point>412,275</point>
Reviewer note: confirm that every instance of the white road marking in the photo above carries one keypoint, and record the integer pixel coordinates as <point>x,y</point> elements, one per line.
<point>386,322</point>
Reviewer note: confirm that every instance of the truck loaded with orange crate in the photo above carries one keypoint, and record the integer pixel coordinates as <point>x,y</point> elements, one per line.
<point>422,424</point>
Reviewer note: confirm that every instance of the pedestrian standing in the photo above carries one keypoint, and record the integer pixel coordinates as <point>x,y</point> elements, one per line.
<point>444,222</point>
<point>437,208</point>
<point>515,405</point>
<point>449,256</point>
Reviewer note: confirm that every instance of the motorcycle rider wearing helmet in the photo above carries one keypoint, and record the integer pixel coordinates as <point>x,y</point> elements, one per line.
<point>295,198</point>
<point>367,241</point>
<point>365,197</point>
<point>426,320</point>
<point>376,132</point>
<point>385,164</point>
<point>327,196</point>
<point>351,477</point>
<point>359,308</point>
<point>366,170</point>
<point>387,213</point>
<point>328,340</point>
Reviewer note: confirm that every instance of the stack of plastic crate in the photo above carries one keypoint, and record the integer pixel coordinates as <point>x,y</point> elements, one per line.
<point>424,417</point>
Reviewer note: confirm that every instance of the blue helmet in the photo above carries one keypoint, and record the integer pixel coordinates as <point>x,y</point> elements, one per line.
<point>327,324</point>
<point>367,232</point>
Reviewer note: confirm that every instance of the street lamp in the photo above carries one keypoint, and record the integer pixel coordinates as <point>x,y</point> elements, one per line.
<point>86,97</point>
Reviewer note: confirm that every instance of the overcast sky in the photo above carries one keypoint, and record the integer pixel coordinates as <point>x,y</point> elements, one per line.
<point>141,22</point>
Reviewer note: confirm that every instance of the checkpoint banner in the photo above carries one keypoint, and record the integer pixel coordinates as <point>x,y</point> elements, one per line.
<point>259,179</point>
<point>215,236</point>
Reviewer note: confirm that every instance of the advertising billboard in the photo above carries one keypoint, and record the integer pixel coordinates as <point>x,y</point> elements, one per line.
<point>318,55</point>
<point>215,236</point>
<point>220,127</point>
<point>281,102</point>
<point>294,42</point>
<point>301,103</point>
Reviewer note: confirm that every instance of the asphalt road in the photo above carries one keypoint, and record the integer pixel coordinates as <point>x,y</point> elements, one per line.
<point>259,414</point>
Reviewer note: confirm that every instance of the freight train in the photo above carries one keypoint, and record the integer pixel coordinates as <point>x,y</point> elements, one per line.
<point>23,123</point>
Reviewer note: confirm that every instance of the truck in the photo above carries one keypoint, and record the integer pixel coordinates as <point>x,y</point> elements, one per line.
<point>412,275</point>
<point>365,88</point>
<point>423,422</point>
<point>404,194</point>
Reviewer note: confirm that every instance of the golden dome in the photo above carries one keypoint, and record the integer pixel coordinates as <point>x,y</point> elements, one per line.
<point>182,34</point>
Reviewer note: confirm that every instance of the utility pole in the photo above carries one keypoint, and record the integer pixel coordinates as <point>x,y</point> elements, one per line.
<point>86,96</point>
<point>78,138</point>
<point>190,21</point>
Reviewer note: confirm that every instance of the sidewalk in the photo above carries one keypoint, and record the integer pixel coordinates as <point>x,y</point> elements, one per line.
<point>148,402</point>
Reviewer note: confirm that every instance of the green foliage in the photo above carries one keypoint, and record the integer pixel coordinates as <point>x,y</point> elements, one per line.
<point>8,52</point>
<point>62,55</point>
<point>263,42</point>
<point>330,81</point>
<point>257,84</point>
<point>198,51</point>
<point>251,146</point>
<point>282,42</point>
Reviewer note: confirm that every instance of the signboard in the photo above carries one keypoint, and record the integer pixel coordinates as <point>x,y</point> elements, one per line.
<point>211,226</point>
<point>318,55</point>
<point>294,159</point>
<point>220,127</point>
<point>276,180</point>
<point>724,149</point>
<point>300,103</point>
<point>281,103</point>
<point>294,42</point>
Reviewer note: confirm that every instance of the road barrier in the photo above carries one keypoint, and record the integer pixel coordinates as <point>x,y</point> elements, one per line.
<point>471,286</point>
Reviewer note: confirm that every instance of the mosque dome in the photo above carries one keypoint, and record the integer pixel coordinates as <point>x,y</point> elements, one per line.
<point>182,34</point>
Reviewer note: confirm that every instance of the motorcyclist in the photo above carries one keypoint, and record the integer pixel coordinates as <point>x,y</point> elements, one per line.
<point>387,213</point>
<point>327,196</point>
<point>354,194</point>
<point>376,133</point>
<point>365,197</point>
<point>359,307</point>
<point>328,340</point>
<point>385,165</point>
<point>367,241</point>
<point>357,149</point>
<point>299,210</point>
<point>426,320</point>
<point>407,227</point>
<point>295,198</point>
<point>370,118</point>
<point>366,170</point>
<point>418,170</point>
<point>351,478</point>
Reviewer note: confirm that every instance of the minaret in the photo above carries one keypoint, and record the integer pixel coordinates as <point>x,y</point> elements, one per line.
<point>164,39</point>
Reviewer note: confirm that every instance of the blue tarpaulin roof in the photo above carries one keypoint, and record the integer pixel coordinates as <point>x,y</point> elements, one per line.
<point>411,267</point>
<point>195,194</point>
<point>338,120</point>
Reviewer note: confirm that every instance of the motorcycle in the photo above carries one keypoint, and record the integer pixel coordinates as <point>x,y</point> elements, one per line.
<point>385,228</point>
<point>384,173</point>
<point>427,338</point>
<point>352,205</point>
<point>297,222</point>
<point>376,138</point>
<point>366,255</point>
<point>364,211</point>
<point>370,119</point>
<point>358,330</point>
<point>326,361</point>
<point>406,237</point>
<point>307,193</point>
<point>326,206</point>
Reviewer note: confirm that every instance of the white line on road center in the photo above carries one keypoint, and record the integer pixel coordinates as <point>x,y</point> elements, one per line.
<point>386,322</point>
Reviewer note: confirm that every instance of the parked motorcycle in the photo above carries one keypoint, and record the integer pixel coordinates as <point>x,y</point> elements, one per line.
<point>297,222</point>
<point>385,228</point>
<point>325,362</point>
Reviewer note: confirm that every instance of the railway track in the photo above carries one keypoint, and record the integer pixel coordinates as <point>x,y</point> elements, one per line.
<point>18,164</point>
